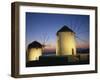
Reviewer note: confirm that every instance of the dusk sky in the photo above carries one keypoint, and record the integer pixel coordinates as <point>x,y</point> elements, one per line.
<point>40,26</point>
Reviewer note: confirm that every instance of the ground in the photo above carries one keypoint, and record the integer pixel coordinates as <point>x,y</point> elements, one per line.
<point>59,60</point>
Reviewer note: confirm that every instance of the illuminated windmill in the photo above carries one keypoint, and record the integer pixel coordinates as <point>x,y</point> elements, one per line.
<point>79,27</point>
<point>34,51</point>
<point>66,44</point>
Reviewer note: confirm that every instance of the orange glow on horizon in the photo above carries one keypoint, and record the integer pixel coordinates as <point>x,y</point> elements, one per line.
<point>52,47</point>
<point>82,46</point>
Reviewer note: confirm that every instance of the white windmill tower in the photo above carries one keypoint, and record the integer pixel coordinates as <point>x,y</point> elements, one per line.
<point>34,51</point>
<point>66,44</point>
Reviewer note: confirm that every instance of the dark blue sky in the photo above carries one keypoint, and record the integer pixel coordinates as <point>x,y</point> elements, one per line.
<point>39,25</point>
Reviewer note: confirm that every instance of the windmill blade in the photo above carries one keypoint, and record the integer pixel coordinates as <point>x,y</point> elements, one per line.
<point>79,25</point>
<point>75,27</point>
<point>78,44</point>
<point>47,45</point>
<point>83,32</point>
<point>82,43</point>
<point>44,39</point>
<point>81,39</point>
<point>70,24</point>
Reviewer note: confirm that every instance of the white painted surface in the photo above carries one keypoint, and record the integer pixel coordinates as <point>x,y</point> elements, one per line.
<point>66,43</point>
<point>34,53</point>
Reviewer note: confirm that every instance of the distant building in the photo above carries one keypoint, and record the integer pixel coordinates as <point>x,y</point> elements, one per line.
<point>66,44</point>
<point>34,51</point>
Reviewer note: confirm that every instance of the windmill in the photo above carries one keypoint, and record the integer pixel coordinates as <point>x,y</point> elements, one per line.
<point>66,44</point>
<point>67,37</point>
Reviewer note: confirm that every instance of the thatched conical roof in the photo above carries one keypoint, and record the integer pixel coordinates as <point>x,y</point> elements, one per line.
<point>65,29</point>
<point>34,44</point>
